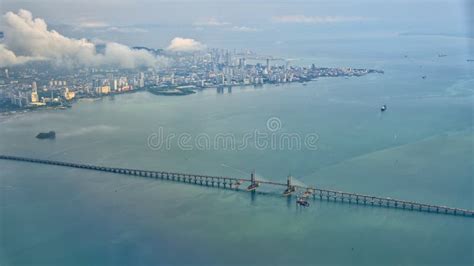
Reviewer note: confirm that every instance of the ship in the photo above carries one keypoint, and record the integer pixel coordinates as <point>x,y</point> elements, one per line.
<point>307,193</point>
<point>288,191</point>
<point>302,202</point>
<point>46,135</point>
<point>383,108</point>
<point>252,187</point>
<point>237,184</point>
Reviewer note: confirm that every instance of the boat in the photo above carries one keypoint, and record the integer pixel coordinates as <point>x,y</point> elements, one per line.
<point>237,184</point>
<point>423,77</point>
<point>383,108</point>
<point>252,187</point>
<point>302,202</point>
<point>46,135</point>
<point>288,191</point>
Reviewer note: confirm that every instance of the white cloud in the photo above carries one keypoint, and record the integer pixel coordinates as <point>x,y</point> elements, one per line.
<point>8,57</point>
<point>185,45</point>
<point>244,29</point>
<point>27,38</point>
<point>98,26</point>
<point>210,22</point>
<point>315,19</point>
<point>93,24</point>
<point>125,29</point>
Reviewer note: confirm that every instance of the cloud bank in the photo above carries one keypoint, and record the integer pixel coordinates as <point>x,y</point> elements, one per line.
<point>210,22</point>
<point>315,19</point>
<point>244,29</point>
<point>29,39</point>
<point>185,45</point>
<point>93,24</point>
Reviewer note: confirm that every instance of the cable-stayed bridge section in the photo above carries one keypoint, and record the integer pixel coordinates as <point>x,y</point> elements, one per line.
<point>253,184</point>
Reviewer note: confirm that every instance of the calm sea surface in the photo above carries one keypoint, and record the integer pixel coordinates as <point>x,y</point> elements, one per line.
<point>420,149</point>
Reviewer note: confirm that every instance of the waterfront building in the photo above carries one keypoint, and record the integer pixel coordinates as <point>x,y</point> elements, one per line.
<point>68,95</point>
<point>114,85</point>
<point>103,89</point>
<point>34,93</point>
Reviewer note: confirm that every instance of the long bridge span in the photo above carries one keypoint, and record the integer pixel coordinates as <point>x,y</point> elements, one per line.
<point>235,183</point>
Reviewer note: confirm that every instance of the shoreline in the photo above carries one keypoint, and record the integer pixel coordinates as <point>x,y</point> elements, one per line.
<point>6,115</point>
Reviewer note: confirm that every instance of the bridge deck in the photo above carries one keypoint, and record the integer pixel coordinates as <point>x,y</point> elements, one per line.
<point>233,183</point>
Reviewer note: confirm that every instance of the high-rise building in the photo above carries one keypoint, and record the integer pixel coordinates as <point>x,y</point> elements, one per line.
<point>34,93</point>
<point>103,89</point>
<point>141,80</point>
<point>173,81</point>
<point>114,85</point>
<point>68,95</point>
<point>228,58</point>
<point>242,63</point>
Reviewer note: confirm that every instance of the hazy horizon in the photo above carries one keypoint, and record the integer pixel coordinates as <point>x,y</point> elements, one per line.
<point>132,21</point>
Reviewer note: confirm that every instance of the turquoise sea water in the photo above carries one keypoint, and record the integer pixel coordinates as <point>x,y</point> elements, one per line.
<point>420,149</point>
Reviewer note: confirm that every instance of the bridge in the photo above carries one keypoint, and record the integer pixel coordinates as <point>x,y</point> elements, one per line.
<point>253,184</point>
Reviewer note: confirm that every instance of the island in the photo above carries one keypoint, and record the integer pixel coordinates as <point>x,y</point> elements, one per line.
<point>40,85</point>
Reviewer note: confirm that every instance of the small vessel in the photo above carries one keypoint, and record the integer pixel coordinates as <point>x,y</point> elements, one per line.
<point>252,187</point>
<point>46,135</point>
<point>383,108</point>
<point>442,55</point>
<point>302,202</point>
<point>423,77</point>
<point>237,184</point>
<point>288,191</point>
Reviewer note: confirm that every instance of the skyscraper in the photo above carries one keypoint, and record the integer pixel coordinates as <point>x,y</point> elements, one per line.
<point>141,81</point>
<point>114,85</point>
<point>34,92</point>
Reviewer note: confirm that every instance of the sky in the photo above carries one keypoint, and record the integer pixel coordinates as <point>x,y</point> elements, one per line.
<point>193,24</point>
<point>405,13</point>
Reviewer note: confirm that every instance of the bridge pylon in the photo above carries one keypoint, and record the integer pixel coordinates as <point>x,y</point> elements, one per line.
<point>290,188</point>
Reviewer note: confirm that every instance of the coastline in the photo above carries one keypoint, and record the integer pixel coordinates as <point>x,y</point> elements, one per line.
<point>6,115</point>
